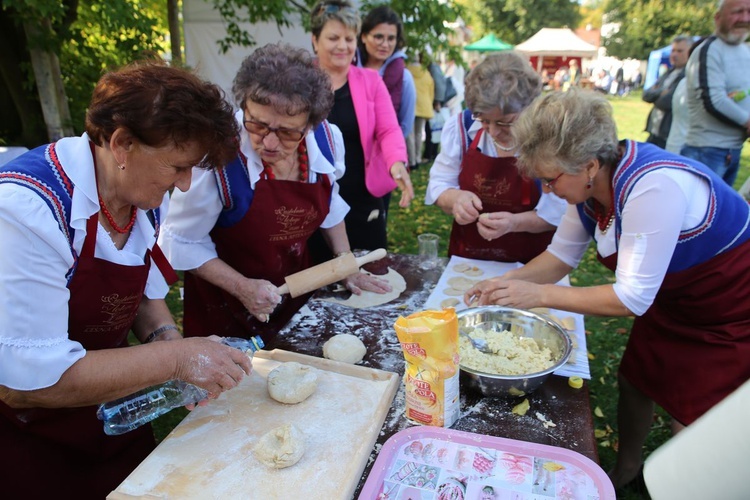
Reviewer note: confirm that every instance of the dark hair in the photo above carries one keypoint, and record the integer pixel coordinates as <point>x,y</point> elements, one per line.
<point>380,15</point>
<point>286,78</point>
<point>159,104</point>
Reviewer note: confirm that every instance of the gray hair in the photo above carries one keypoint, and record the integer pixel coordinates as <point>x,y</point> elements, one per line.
<point>505,81</point>
<point>683,39</point>
<point>565,129</point>
<point>342,11</point>
<point>286,78</point>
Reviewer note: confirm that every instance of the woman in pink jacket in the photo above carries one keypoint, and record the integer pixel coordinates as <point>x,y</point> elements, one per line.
<point>375,147</point>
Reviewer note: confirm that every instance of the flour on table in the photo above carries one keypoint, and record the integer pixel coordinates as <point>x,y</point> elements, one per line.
<point>371,299</point>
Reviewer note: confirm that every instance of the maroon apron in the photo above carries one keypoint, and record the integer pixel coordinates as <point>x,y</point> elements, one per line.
<point>691,348</point>
<point>270,243</point>
<point>53,452</point>
<point>502,189</point>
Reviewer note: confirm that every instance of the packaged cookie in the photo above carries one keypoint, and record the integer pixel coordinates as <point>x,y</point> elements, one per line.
<point>429,340</point>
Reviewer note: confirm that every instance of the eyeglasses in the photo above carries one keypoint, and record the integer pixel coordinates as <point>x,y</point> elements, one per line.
<point>498,123</point>
<point>284,134</point>
<point>330,9</point>
<point>550,183</point>
<point>381,38</point>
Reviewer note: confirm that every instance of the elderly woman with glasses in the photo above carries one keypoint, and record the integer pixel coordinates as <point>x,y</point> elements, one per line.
<point>362,109</point>
<point>677,238</point>
<point>241,230</point>
<point>498,214</point>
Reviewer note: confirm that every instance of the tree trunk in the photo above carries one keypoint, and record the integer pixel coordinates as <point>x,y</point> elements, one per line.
<point>173,16</point>
<point>51,91</point>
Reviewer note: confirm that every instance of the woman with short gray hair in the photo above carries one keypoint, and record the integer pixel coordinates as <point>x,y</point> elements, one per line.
<point>498,214</point>
<point>242,230</point>
<point>677,238</point>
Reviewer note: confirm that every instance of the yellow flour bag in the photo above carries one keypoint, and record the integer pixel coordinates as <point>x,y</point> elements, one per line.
<point>430,343</point>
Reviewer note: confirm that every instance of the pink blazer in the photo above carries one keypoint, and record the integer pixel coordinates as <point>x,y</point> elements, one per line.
<point>379,131</point>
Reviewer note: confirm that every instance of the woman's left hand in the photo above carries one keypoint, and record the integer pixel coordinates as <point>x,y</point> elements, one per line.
<point>359,281</point>
<point>504,292</point>
<point>493,225</point>
<point>400,174</point>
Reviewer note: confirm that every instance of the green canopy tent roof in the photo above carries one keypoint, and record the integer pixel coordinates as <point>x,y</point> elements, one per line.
<point>489,43</point>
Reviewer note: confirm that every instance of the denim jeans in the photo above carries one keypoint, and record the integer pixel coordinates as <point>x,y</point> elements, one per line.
<point>725,162</point>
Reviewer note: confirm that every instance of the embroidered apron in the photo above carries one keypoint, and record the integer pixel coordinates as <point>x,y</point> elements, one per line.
<point>270,243</point>
<point>65,451</point>
<point>500,187</point>
<point>692,347</point>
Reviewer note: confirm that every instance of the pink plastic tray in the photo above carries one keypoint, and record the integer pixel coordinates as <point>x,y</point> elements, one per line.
<point>433,463</point>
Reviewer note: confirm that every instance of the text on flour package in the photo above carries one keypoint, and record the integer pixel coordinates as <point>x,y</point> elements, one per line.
<point>429,340</point>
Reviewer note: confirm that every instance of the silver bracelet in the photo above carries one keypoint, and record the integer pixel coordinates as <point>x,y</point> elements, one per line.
<point>159,331</point>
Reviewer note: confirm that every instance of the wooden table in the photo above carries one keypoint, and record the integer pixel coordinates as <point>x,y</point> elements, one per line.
<point>317,321</point>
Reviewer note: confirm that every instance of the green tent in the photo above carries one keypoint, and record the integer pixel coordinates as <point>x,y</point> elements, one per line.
<point>489,43</point>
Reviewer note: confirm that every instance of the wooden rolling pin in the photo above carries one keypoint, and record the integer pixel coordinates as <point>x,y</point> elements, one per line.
<point>326,273</point>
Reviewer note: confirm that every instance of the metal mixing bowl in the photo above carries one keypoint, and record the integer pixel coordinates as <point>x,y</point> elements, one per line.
<point>522,323</point>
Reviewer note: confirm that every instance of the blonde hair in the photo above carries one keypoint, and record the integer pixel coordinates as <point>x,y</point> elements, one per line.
<point>565,129</point>
<point>505,81</point>
<point>342,11</point>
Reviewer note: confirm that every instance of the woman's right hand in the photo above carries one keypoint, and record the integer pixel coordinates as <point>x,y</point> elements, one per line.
<point>466,208</point>
<point>400,174</point>
<point>259,297</point>
<point>210,365</point>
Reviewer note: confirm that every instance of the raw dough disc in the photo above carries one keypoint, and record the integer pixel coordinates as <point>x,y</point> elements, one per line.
<point>474,271</point>
<point>280,447</point>
<point>344,347</point>
<point>371,299</point>
<point>462,267</point>
<point>461,283</point>
<point>292,382</point>
<point>453,291</point>
<point>451,302</point>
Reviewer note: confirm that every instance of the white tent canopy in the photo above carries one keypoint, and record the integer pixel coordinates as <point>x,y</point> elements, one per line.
<point>556,42</point>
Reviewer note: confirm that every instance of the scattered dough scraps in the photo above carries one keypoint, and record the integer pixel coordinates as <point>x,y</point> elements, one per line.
<point>547,423</point>
<point>292,382</point>
<point>372,299</point>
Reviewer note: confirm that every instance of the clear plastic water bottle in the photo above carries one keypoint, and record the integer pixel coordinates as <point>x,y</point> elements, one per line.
<point>130,412</point>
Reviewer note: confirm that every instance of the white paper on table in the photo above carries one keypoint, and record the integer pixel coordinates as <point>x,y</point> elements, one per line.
<point>579,366</point>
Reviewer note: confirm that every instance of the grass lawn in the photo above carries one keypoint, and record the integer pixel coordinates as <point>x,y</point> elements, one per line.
<point>606,336</point>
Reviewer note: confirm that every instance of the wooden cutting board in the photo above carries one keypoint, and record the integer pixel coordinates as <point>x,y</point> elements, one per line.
<point>209,454</point>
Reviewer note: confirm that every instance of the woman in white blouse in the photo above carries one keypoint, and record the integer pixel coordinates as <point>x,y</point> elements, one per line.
<point>241,230</point>
<point>498,214</point>
<point>80,269</point>
<point>677,238</point>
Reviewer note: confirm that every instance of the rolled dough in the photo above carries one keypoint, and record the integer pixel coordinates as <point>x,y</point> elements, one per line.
<point>371,299</point>
<point>292,382</point>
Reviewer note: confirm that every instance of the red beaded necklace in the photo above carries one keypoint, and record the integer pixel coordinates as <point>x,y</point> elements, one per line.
<point>604,219</point>
<point>302,160</point>
<point>111,220</point>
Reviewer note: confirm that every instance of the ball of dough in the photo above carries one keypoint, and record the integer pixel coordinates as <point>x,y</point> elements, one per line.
<point>292,382</point>
<point>280,447</point>
<point>344,347</point>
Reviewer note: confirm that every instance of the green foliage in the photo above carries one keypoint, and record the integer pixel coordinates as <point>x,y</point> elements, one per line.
<point>645,25</point>
<point>515,21</point>
<point>105,36</point>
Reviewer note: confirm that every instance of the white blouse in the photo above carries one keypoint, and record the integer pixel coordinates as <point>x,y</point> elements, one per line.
<point>662,204</point>
<point>447,166</point>
<point>34,346</point>
<point>185,236</point>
